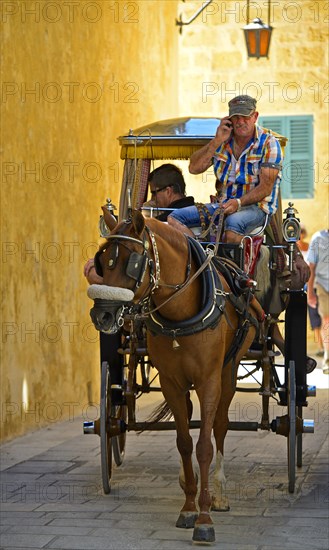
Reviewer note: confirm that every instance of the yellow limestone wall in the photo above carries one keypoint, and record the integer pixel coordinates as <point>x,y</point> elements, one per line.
<point>213,68</point>
<point>75,75</point>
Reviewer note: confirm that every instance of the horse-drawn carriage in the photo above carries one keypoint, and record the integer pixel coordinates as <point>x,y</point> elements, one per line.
<point>188,308</point>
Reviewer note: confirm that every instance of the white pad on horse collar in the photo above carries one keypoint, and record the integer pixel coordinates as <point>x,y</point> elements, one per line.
<point>105,292</point>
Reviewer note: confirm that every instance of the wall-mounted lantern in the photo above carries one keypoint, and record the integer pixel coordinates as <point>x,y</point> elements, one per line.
<point>258,35</point>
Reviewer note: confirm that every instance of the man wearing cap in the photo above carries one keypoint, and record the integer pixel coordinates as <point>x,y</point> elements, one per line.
<point>247,162</point>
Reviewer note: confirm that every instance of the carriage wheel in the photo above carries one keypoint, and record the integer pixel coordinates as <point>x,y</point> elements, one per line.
<point>119,441</point>
<point>105,412</point>
<point>300,439</point>
<point>292,426</point>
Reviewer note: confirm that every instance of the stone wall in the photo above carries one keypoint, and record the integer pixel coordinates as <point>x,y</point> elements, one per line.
<point>75,76</point>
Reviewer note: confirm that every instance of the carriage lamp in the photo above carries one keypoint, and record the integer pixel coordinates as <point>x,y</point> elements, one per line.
<point>104,231</point>
<point>291,225</point>
<point>291,230</point>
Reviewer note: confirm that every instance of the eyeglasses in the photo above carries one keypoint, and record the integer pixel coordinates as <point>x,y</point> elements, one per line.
<point>158,190</point>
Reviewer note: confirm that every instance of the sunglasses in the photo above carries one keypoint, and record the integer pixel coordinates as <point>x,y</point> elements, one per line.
<point>158,190</point>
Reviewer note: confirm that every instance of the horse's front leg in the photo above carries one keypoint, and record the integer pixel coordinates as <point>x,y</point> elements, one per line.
<point>204,529</point>
<point>188,481</point>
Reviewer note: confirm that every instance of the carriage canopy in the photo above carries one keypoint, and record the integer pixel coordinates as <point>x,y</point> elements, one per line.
<point>172,139</point>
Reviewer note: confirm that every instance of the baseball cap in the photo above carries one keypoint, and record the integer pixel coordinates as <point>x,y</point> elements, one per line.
<point>242,105</point>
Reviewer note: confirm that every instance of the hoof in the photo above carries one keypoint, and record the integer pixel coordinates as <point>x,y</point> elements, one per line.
<point>186,520</point>
<point>203,533</point>
<point>220,505</point>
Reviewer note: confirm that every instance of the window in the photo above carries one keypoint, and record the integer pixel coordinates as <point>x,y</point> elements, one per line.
<point>298,166</point>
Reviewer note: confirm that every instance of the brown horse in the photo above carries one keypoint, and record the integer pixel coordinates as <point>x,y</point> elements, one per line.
<point>147,261</point>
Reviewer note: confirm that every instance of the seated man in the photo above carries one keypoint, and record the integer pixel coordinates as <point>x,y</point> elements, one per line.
<point>247,164</point>
<point>167,187</point>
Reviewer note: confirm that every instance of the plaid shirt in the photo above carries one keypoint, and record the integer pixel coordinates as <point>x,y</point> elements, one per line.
<point>262,150</point>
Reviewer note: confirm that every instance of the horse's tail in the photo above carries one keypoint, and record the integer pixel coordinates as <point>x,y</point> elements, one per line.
<point>161,413</point>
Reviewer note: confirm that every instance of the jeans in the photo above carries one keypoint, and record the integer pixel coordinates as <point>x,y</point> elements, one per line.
<point>242,222</point>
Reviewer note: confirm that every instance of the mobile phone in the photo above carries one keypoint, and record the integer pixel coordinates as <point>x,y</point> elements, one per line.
<point>229,124</point>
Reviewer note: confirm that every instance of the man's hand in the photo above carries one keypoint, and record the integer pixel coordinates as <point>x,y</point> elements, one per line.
<point>89,272</point>
<point>231,206</point>
<point>224,130</point>
<point>202,159</point>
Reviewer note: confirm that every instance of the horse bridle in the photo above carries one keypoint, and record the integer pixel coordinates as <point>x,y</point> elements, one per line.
<point>137,263</point>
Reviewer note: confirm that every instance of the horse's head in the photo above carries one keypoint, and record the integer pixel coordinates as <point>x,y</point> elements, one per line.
<point>122,262</point>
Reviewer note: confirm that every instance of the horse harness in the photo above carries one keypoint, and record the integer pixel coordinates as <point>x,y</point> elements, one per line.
<point>213,295</point>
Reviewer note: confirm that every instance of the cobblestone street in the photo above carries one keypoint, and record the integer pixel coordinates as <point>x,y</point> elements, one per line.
<point>52,495</point>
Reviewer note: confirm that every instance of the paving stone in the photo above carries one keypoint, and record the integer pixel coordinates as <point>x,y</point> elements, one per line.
<point>102,543</point>
<point>51,491</point>
<point>24,541</point>
<point>50,529</point>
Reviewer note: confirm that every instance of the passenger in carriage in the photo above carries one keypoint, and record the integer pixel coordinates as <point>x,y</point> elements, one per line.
<point>168,189</point>
<point>247,162</point>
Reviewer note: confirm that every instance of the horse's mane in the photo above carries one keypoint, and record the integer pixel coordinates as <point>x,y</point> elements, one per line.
<point>174,237</point>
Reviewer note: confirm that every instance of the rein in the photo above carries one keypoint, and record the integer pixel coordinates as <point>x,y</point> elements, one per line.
<point>218,212</point>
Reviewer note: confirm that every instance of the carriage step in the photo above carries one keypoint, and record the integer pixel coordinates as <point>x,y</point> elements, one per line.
<point>258,354</point>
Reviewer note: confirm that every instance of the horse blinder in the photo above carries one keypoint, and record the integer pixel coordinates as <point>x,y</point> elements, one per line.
<point>113,256</point>
<point>112,260</point>
<point>136,264</point>
<point>136,267</point>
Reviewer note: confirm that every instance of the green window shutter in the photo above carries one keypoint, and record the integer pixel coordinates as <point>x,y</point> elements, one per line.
<point>297,175</point>
<point>300,169</point>
<point>274,123</point>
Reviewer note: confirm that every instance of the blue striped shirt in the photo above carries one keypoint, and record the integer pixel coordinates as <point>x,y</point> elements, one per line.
<point>262,150</point>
